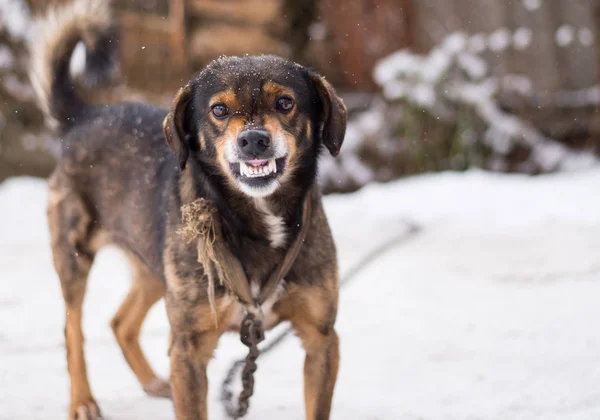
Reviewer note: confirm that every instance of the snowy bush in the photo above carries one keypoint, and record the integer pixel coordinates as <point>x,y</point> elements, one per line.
<point>441,111</point>
<point>452,83</point>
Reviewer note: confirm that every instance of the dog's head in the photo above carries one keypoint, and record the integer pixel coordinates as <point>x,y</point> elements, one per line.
<point>256,121</point>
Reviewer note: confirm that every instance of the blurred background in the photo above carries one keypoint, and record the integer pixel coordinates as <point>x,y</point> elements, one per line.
<point>482,306</point>
<point>509,86</point>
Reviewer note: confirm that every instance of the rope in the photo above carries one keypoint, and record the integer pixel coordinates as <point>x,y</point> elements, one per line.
<point>240,409</point>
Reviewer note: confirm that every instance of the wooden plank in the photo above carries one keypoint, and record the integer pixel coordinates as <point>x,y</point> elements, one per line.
<point>245,12</point>
<point>154,50</point>
<point>578,62</point>
<point>363,31</point>
<point>210,41</point>
<point>144,7</point>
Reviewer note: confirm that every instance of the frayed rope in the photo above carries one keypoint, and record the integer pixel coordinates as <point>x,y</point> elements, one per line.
<point>199,221</point>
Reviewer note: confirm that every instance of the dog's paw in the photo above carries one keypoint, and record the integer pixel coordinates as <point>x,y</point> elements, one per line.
<point>85,410</point>
<point>158,388</point>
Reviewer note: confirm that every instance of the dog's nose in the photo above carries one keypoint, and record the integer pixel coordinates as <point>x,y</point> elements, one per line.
<point>254,142</point>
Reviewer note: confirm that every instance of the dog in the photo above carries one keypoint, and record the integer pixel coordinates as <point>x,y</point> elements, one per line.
<point>246,134</point>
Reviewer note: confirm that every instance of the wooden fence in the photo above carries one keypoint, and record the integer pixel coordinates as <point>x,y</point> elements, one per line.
<point>553,42</point>
<point>547,47</point>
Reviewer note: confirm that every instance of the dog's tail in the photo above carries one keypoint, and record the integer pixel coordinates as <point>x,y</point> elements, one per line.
<point>56,35</point>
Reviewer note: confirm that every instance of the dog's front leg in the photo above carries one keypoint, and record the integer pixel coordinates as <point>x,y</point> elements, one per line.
<point>193,340</point>
<point>190,353</point>
<point>312,311</point>
<point>320,370</point>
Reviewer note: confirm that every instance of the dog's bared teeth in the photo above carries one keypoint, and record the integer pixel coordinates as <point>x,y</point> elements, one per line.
<point>258,171</point>
<point>243,169</point>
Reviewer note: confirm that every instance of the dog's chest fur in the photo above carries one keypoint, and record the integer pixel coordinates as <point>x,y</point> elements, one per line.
<point>274,224</point>
<point>260,253</point>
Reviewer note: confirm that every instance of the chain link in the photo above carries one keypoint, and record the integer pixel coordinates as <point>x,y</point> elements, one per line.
<point>251,334</point>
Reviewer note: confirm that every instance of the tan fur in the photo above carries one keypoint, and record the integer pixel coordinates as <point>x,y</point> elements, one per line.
<point>226,97</point>
<point>312,312</point>
<point>190,382</point>
<point>234,128</point>
<point>273,91</point>
<point>145,291</point>
<point>202,140</point>
<point>187,189</point>
<point>72,265</point>
<point>83,405</point>
<point>274,127</point>
<point>308,129</point>
<point>193,341</point>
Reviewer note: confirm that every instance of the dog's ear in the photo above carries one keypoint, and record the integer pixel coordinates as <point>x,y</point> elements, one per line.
<point>333,116</point>
<point>175,128</point>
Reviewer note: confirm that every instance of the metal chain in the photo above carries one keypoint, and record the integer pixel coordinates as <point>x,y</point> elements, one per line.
<point>252,332</point>
<point>251,327</point>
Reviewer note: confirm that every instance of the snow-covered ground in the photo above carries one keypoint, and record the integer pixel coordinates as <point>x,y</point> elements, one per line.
<point>490,312</point>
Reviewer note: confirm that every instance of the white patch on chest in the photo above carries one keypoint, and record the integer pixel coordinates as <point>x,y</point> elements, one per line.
<point>275,226</point>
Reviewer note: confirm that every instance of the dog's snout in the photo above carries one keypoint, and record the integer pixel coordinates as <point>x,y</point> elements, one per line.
<point>254,142</point>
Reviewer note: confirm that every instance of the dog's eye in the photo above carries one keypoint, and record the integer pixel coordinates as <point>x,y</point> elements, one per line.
<point>284,104</point>
<point>220,111</point>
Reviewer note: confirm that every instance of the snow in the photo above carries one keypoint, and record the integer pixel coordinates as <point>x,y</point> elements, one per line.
<point>565,35</point>
<point>500,39</point>
<point>488,313</point>
<point>477,43</point>
<point>586,36</point>
<point>15,17</point>
<point>6,58</point>
<point>532,5</point>
<point>522,38</point>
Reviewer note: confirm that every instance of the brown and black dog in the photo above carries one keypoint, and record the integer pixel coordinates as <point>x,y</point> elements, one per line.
<point>246,134</point>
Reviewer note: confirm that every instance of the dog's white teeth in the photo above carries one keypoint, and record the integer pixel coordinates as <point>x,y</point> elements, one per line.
<point>244,170</point>
<point>258,171</point>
